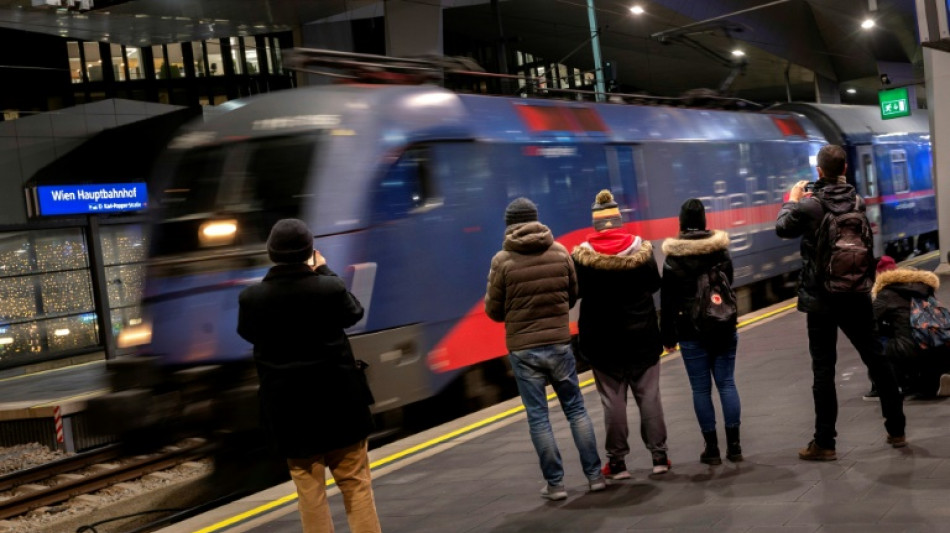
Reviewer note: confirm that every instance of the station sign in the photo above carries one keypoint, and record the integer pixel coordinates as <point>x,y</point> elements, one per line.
<point>52,200</point>
<point>894,103</point>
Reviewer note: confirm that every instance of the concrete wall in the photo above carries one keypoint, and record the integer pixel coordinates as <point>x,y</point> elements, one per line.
<point>30,143</point>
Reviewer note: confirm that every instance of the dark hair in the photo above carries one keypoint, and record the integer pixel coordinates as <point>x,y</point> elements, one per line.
<point>831,160</point>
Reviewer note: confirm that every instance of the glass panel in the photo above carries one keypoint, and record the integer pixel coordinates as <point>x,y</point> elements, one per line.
<point>133,58</point>
<point>197,51</point>
<point>71,333</point>
<point>158,61</point>
<point>123,244</point>
<point>124,317</point>
<point>118,65</point>
<point>250,55</point>
<point>66,292</point>
<point>176,62</point>
<point>93,61</point>
<point>126,284</point>
<point>14,254</point>
<point>17,298</point>
<point>214,58</point>
<point>75,62</point>
<point>60,250</point>
<point>19,340</point>
<point>236,55</point>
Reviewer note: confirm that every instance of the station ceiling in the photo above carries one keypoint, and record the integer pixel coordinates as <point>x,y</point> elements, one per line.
<point>675,46</point>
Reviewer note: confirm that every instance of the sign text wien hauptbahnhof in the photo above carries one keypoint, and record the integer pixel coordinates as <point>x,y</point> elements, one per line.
<point>90,199</point>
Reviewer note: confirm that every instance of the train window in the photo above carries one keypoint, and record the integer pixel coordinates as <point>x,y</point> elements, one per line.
<point>870,175</point>
<point>408,183</point>
<point>899,175</point>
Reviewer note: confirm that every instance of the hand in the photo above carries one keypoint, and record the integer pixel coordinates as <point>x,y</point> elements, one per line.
<point>318,259</point>
<point>798,190</point>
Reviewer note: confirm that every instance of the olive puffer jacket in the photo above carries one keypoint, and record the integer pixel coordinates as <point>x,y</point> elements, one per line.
<point>532,286</point>
<point>687,256</point>
<point>619,331</point>
<point>893,291</point>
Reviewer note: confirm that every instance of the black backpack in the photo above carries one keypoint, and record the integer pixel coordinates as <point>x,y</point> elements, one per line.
<point>714,310</point>
<point>845,253</point>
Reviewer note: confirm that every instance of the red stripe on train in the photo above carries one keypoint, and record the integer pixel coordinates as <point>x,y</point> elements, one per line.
<point>899,197</point>
<point>476,338</point>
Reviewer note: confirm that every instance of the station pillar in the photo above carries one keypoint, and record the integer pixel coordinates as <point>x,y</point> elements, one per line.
<point>413,28</point>
<point>937,75</point>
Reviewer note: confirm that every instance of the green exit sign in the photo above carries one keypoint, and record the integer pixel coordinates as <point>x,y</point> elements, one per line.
<point>894,103</point>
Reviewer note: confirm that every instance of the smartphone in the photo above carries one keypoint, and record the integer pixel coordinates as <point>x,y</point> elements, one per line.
<point>810,187</point>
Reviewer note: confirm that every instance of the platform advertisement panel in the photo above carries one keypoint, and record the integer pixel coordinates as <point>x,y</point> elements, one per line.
<point>52,200</point>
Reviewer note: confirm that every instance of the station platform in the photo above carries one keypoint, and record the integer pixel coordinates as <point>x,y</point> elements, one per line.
<point>480,473</point>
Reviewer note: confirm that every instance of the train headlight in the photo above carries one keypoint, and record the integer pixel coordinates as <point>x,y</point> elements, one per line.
<point>136,335</point>
<point>217,232</point>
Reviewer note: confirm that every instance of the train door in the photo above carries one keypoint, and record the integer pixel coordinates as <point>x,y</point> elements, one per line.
<point>621,166</point>
<point>865,176</point>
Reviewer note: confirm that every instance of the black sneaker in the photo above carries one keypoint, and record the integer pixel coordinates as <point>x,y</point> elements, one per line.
<point>661,463</point>
<point>616,470</point>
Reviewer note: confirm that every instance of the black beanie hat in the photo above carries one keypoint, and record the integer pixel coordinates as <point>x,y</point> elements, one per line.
<point>692,215</point>
<point>521,210</point>
<point>605,212</point>
<point>290,241</point>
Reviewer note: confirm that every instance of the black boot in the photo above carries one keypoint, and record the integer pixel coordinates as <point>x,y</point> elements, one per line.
<point>710,455</point>
<point>733,450</point>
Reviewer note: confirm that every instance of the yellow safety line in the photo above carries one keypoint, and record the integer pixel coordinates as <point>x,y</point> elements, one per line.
<point>430,443</point>
<point>31,374</point>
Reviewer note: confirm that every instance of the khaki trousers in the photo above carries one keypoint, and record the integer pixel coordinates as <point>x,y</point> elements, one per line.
<point>350,469</point>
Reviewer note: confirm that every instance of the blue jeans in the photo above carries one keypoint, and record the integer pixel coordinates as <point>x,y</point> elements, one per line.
<point>555,364</point>
<point>703,366</point>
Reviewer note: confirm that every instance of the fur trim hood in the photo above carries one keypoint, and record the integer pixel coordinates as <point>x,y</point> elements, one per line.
<point>586,256</point>
<point>904,275</point>
<point>719,240</point>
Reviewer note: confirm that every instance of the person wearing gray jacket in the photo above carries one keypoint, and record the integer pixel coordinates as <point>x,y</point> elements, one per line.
<point>532,286</point>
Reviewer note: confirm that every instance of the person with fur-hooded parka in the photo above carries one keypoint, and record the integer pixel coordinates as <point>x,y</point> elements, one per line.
<point>694,252</point>
<point>893,293</point>
<point>619,335</point>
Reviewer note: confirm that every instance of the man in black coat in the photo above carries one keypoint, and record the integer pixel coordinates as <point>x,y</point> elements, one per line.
<point>802,217</point>
<point>314,398</point>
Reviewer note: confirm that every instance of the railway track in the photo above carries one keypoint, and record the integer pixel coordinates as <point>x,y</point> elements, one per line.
<point>27,493</point>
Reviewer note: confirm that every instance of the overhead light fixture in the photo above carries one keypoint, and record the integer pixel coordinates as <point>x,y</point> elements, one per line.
<point>636,10</point>
<point>867,24</point>
<point>851,91</point>
<point>738,53</point>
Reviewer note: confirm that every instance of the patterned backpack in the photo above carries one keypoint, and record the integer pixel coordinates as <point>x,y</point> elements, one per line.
<point>929,323</point>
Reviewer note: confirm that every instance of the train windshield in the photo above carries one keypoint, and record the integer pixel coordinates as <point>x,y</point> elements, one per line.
<point>254,182</point>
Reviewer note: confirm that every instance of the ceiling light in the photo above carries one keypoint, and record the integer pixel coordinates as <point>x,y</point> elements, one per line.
<point>867,24</point>
<point>636,10</point>
<point>738,53</point>
<point>851,91</point>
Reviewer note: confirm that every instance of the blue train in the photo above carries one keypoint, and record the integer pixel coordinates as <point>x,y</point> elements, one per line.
<point>405,187</point>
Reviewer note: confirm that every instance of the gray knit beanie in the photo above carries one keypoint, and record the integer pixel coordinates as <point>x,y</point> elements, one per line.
<point>290,241</point>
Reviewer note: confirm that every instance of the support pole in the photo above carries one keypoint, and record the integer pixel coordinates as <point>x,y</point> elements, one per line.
<point>595,43</point>
<point>937,74</point>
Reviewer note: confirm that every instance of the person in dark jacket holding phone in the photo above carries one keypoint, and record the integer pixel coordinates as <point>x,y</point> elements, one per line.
<point>693,253</point>
<point>619,335</point>
<point>826,312</point>
<point>314,398</point>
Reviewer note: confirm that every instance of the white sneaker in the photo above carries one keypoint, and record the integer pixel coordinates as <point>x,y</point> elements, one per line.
<point>554,492</point>
<point>944,389</point>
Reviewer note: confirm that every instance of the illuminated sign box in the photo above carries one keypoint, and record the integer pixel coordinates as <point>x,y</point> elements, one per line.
<point>51,200</point>
<point>894,103</point>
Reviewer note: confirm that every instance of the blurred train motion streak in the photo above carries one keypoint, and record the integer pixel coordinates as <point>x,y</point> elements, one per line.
<point>405,188</point>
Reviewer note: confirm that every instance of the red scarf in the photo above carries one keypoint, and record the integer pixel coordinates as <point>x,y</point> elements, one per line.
<point>611,241</point>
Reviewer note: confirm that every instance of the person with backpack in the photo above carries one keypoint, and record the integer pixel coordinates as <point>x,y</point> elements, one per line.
<point>532,286</point>
<point>916,329</point>
<point>619,335</point>
<point>698,310</point>
<point>836,279</point>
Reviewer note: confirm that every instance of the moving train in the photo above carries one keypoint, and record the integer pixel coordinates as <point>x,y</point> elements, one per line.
<point>405,188</point>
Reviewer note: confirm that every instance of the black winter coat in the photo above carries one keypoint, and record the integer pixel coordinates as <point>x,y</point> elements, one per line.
<point>313,397</point>
<point>687,256</point>
<point>619,333</point>
<point>802,219</point>
<point>892,293</point>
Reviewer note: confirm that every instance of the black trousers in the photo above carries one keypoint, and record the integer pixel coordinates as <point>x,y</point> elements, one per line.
<point>854,315</point>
